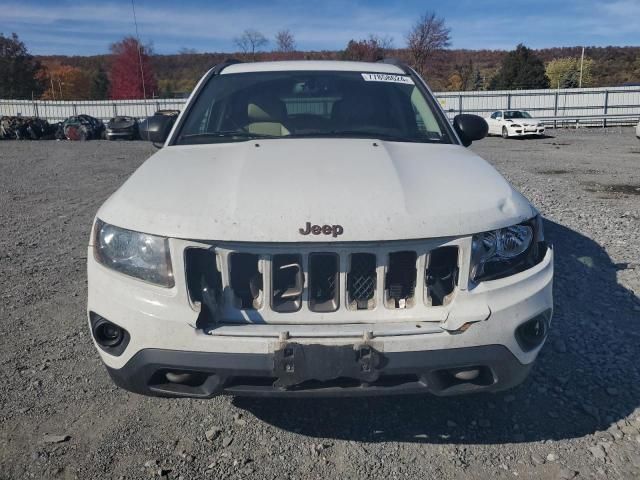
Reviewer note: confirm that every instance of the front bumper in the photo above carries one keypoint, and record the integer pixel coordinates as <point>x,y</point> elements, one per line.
<point>120,134</point>
<point>210,374</point>
<point>411,353</point>
<point>525,132</point>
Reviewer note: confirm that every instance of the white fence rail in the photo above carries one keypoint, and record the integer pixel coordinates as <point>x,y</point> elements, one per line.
<point>55,111</point>
<point>620,105</point>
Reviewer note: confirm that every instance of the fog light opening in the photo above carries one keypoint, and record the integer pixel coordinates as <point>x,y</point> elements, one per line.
<point>532,333</point>
<point>109,337</point>
<point>107,334</point>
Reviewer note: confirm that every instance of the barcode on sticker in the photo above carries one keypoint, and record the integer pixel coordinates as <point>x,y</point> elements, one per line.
<point>387,77</point>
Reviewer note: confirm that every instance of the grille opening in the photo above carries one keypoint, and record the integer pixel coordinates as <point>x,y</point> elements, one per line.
<point>324,279</point>
<point>400,281</point>
<point>245,279</point>
<point>441,275</point>
<point>287,283</point>
<point>204,282</point>
<point>361,282</point>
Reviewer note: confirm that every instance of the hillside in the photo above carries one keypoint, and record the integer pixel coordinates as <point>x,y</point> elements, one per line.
<point>614,66</point>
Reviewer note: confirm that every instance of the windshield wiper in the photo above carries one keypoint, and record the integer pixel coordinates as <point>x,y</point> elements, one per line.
<point>362,134</point>
<point>225,134</point>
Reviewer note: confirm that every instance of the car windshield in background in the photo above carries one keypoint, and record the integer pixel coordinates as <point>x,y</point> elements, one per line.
<point>311,104</point>
<point>516,114</point>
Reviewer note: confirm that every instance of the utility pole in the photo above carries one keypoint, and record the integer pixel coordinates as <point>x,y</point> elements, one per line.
<point>581,62</point>
<point>135,21</point>
<point>144,88</point>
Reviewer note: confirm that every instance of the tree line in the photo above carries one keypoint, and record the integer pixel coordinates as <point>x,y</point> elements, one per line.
<point>132,70</point>
<point>128,74</point>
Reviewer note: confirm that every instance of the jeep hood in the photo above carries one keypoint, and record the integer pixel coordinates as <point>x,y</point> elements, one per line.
<point>265,191</point>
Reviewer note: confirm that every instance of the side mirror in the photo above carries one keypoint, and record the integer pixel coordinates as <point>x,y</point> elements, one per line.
<point>156,128</point>
<point>470,128</point>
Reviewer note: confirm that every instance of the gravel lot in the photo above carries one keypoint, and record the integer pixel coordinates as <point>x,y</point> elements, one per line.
<point>577,416</point>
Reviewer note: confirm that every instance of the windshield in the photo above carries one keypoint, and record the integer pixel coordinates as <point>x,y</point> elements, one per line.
<point>516,114</point>
<point>242,106</point>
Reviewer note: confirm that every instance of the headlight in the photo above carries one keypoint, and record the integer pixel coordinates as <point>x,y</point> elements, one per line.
<point>516,125</point>
<point>540,125</point>
<point>139,255</point>
<point>500,253</point>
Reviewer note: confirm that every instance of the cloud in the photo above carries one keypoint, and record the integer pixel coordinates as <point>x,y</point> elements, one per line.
<point>339,25</point>
<point>77,28</point>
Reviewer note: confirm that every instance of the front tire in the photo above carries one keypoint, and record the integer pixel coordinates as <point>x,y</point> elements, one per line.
<point>505,133</point>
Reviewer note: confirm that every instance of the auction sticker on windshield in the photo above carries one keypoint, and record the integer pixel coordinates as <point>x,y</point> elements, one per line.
<point>386,77</point>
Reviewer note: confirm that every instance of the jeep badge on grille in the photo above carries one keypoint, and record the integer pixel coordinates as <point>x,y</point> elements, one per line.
<point>334,230</point>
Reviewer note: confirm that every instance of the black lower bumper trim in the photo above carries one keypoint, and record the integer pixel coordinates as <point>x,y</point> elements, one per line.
<point>170,373</point>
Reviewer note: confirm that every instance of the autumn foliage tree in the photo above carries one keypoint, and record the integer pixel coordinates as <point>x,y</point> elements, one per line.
<point>64,82</point>
<point>565,72</point>
<point>127,74</point>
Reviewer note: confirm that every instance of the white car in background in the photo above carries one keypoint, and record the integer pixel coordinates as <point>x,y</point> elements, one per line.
<point>514,123</point>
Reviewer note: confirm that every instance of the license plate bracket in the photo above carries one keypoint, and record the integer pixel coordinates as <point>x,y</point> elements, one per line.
<point>296,363</point>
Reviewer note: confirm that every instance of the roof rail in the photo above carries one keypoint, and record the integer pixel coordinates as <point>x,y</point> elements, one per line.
<point>397,62</point>
<point>218,67</point>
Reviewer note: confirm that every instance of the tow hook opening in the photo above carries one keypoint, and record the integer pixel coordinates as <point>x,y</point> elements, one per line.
<point>184,382</point>
<point>463,377</point>
<point>191,379</point>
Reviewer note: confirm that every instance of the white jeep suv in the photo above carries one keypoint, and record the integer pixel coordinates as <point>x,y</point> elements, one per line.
<point>317,228</point>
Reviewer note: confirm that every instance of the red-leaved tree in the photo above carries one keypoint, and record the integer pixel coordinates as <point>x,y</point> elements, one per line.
<point>126,76</point>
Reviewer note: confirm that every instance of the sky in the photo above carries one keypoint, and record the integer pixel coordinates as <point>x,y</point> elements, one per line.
<point>88,27</point>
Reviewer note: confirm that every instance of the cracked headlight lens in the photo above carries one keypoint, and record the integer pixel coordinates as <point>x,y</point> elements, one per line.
<point>136,254</point>
<point>507,251</point>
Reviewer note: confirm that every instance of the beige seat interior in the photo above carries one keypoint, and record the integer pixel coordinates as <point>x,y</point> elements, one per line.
<point>265,116</point>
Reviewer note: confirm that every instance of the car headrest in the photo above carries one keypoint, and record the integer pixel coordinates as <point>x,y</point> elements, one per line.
<point>266,109</point>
